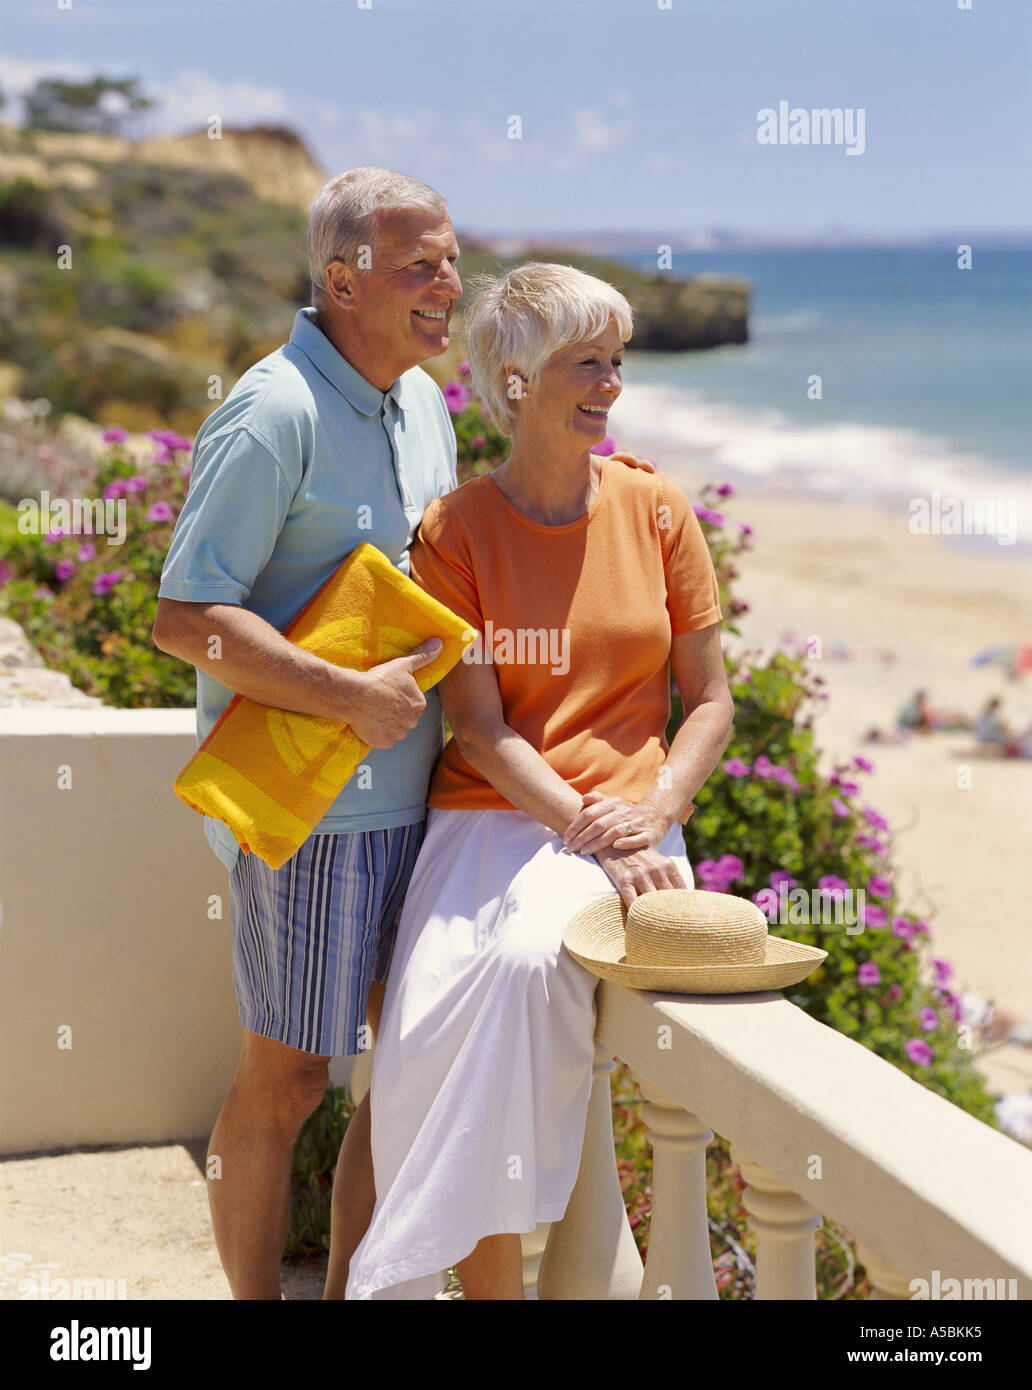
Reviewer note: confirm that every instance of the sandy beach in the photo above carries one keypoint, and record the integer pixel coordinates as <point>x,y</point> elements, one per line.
<point>911,610</point>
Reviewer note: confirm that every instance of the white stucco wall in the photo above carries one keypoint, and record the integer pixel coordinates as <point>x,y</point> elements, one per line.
<point>105,890</point>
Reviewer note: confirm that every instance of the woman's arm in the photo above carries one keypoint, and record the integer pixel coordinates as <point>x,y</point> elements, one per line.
<point>697,661</point>
<point>698,666</point>
<point>473,705</point>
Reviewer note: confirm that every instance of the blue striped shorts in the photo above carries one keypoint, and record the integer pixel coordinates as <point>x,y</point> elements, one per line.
<point>310,936</point>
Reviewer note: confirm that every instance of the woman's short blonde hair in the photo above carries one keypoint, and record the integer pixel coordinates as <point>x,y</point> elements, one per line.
<point>521,318</point>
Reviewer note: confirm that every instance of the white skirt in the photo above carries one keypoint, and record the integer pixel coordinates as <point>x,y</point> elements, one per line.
<point>483,1063</point>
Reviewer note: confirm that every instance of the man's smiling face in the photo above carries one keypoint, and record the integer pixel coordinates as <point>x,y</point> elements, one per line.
<point>403,305</point>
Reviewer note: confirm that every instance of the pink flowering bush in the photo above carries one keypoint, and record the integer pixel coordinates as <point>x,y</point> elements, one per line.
<point>481,447</point>
<point>769,824</point>
<point>88,606</point>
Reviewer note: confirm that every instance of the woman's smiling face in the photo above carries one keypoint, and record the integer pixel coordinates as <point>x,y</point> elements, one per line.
<point>575,390</point>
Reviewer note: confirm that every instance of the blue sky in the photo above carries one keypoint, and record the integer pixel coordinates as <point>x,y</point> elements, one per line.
<point>633,116</point>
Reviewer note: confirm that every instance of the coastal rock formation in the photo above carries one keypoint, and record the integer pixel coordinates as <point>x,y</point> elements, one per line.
<point>25,683</point>
<point>671,314</point>
<point>674,316</point>
<point>158,300</point>
<point>272,159</point>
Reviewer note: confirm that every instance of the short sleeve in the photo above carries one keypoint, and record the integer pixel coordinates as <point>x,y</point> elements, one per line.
<point>693,594</point>
<point>235,508</point>
<point>441,564</point>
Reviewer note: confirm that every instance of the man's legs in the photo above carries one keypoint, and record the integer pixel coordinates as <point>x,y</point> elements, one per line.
<point>273,1092</point>
<point>306,940</point>
<point>354,1193</point>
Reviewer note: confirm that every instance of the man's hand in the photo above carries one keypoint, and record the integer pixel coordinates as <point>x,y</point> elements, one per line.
<point>603,824</point>
<point>636,872</point>
<point>387,702</point>
<point>633,461</point>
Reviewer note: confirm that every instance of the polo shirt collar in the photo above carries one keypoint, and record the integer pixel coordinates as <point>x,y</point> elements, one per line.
<point>338,371</point>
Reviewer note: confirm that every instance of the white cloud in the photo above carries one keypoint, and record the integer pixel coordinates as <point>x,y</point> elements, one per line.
<point>430,143</point>
<point>17,75</point>
<point>419,142</point>
<point>183,102</point>
<point>191,97</point>
<point>657,163</point>
<point>592,130</point>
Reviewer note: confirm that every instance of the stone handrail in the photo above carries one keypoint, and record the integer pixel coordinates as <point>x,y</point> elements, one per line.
<point>818,1124</point>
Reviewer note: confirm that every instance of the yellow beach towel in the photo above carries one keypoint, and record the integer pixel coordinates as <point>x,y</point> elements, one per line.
<point>272,774</point>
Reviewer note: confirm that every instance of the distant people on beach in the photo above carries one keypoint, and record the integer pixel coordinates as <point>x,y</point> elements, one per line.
<point>897,736</point>
<point>918,715</point>
<point>989,728</point>
<point>991,731</point>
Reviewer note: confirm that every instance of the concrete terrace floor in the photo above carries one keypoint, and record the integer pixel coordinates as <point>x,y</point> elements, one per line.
<point>137,1217</point>
<point>134,1214</point>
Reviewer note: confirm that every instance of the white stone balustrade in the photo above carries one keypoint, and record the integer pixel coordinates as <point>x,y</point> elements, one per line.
<point>591,1253</point>
<point>784,1227</point>
<point>886,1282</point>
<point>679,1263</point>
<point>815,1121</point>
<point>818,1123</point>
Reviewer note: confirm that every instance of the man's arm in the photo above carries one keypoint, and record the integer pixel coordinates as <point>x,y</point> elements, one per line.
<point>249,656</point>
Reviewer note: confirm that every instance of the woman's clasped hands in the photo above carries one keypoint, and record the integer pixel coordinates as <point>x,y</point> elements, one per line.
<point>622,835</point>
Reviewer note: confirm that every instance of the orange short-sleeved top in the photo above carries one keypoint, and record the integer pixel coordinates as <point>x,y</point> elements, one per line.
<point>575,619</point>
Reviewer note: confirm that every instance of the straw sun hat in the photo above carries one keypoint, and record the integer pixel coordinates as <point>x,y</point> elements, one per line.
<point>686,941</point>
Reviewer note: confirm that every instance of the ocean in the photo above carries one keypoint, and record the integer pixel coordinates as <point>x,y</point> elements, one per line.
<point>926,376</point>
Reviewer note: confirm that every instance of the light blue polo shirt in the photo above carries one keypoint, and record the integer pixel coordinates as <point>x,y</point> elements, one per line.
<point>303,461</point>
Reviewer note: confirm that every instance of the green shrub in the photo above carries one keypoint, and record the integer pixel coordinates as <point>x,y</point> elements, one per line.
<point>88,607</point>
<point>27,216</point>
<point>122,290</point>
<point>481,447</point>
<point>311,1175</point>
<point>767,814</point>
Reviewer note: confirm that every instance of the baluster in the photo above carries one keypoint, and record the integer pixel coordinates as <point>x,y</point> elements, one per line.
<point>361,1075</point>
<point>590,1254</point>
<point>784,1226</point>
<point>886,1281</point>
<point>679,1264</point>
<point>533,1244</point>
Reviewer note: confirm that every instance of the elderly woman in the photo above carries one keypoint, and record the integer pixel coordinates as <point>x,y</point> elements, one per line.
<point>586,582</point>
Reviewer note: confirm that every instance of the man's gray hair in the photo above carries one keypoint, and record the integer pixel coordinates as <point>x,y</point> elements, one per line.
<point>345,212</point>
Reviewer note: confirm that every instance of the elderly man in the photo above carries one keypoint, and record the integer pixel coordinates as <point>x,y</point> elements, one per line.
<point>334,439</point>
